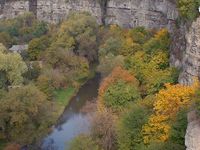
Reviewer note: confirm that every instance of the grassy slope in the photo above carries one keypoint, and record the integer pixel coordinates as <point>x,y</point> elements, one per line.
<point>63,96</point>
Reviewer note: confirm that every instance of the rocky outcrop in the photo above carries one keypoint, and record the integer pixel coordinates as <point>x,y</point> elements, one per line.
<point>191,60</point>
<point>126,13</point>
<point>147,13</point>
<point>192,137</point>
<point>56,10</point>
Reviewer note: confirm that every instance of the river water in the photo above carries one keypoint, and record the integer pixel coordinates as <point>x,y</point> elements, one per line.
<point>72,122</point>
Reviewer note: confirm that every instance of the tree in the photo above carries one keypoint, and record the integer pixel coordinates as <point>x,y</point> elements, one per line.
<point>117,74</point>
<point>6,39</point>
<point>36,46</point>
<point>80,28</point>
<point>152,71</point>
<point>167,104</point>
<point>103,130</point>
<point>130,126</point>
<point>160,42</point>
<point>108,63</point>
<point>112,45</point>
<point>25,114</point>
<point>12,68</point>
<point>119,94</point>
<point>73,67</point>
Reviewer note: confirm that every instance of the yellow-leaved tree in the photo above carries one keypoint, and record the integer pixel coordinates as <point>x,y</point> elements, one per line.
<point>167,103</point>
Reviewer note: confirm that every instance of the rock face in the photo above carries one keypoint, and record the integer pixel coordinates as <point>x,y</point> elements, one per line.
<point>56,10</point>
<point>147,13</point>
<point>126,13</point>
<point>191,60</point>
<point>10,9</point>
<point>192,138</point>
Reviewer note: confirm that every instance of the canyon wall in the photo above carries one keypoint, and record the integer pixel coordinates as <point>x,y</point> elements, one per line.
<point>126,13</point>
<point>191,60</point>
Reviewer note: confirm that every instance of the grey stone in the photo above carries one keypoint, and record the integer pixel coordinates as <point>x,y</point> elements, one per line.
<point>126,13</point>
<point>192,137</point>
<point>191,59</point>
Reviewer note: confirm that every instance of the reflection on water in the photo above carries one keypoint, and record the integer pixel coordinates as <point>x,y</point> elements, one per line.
<point>72,122</point>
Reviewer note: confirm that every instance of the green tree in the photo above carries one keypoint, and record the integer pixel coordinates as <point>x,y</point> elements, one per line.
<point>120,94</point>
<point>37,46</point>
<point>79,30</point>
<point>130,125</point>
<point>12,67</point>
<point>25,114</point>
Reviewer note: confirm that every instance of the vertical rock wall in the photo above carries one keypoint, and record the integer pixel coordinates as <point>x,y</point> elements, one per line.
<point>192,138</point>
<point>191,60</point>
<point>126,13</point>
<point>147,13</point>
<point>56,10</point>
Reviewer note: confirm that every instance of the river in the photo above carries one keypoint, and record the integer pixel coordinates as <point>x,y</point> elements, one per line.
<point>72,122</point>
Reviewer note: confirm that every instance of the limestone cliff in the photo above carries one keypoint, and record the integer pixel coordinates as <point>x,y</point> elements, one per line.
<point>191,60</point>
<point>126,13</point>
<point>192,138</point>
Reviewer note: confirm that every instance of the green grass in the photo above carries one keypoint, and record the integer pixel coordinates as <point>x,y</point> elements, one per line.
<point>63,96</point>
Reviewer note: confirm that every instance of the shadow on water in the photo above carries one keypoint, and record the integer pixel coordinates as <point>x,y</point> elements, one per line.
<point>72,122</point>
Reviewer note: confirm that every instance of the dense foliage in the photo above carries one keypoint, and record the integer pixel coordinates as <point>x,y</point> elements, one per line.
<point>188,8</point>
<point>140,106</point>
<point>140,92</point>
<point>57,59</point>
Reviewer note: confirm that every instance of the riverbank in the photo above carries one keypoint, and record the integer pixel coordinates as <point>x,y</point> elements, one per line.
<point>64,96</point>
<point>73,121</point>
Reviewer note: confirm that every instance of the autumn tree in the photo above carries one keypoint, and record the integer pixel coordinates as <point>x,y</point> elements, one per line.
<point>167,103</point>
<point>25,114</point>
<point>12,68</point>
<point>151,71</point>
<point>128,82</point>
<point>159,42</point>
